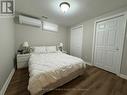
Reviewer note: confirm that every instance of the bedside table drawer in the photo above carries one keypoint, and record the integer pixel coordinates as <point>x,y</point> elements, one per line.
<point>23,59</point>
<point>22,65</point>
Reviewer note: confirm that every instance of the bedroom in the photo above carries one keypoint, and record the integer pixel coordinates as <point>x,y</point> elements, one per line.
<point>39,36</point>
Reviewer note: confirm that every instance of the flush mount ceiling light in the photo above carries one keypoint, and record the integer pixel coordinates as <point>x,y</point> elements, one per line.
<point>64,6</point>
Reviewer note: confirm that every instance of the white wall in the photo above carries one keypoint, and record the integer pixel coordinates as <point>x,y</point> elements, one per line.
<point>36,36</point>
<point>7,48</point>
<point>88,29</point>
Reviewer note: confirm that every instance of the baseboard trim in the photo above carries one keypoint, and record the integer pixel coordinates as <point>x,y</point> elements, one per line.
<point>4,88</point>
<point>123,76</point>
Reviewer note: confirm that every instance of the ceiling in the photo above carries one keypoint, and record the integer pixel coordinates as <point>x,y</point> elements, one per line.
<point>79,11</point>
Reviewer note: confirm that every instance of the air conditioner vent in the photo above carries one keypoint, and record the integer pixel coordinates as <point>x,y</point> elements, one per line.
<point>29,21</point>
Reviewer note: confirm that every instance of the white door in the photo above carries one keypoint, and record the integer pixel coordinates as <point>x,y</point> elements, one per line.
<point>76,41</point>
<point>109,44</point>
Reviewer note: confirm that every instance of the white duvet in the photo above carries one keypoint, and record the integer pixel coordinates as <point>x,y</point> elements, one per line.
<point>46,69</point>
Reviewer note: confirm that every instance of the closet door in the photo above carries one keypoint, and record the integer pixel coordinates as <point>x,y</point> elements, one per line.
<point>109,44</point>
<point>76,41</point>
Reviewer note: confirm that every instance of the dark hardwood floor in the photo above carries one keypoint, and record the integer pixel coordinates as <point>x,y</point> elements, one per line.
<point>94,82</point>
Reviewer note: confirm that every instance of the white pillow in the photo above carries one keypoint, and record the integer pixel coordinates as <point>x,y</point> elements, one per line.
<point>51,49</point>
<point>40,49</point>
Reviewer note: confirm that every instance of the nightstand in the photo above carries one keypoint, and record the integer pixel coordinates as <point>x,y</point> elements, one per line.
<point>22,60</point>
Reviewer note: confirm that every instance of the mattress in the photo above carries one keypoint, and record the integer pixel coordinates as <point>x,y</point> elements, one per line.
<point>46,69</point>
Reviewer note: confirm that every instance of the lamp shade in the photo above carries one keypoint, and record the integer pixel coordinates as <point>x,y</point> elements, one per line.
<point>61,44</point>
<point>25,44</point>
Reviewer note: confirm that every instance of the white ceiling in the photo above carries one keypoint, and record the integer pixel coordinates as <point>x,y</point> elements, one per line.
<point>80,10</point>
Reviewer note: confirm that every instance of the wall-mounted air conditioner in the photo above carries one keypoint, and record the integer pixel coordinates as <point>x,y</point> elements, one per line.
<point>50,26</point>
<point>29,21</point>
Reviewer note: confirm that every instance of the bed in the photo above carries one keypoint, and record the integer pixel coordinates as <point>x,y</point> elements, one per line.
<point>50,70</point>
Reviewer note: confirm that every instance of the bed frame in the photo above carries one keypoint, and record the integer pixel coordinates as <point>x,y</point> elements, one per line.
<point>61,81</point>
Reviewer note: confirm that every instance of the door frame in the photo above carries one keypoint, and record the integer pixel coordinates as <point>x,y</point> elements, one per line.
<point>75,27</point>
<point>118,68</point>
